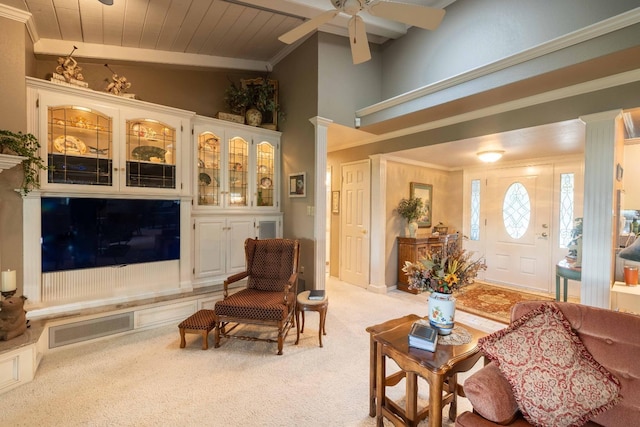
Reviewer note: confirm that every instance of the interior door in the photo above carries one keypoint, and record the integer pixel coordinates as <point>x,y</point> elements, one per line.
<point>355,221</point>
<point>518,227</point>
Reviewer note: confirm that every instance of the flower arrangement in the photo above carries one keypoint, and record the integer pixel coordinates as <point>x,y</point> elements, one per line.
<point>444,271</point>
<point>410,209</point>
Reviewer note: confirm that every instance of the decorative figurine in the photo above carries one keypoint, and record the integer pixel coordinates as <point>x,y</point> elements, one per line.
<point>119,84</point>
<point>68,67</point>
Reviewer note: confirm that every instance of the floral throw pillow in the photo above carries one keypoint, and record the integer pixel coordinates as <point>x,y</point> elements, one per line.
<point>555,380</point>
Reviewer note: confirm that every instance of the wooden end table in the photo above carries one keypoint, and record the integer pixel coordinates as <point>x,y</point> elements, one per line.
<point>439,369</point>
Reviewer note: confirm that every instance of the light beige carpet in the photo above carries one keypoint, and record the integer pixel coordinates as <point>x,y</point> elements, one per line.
<point>145,379</point>
<point>492,302</point>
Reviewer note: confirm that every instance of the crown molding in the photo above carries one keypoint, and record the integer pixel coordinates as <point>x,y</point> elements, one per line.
<point>579,36</point>
<point>20,16</point>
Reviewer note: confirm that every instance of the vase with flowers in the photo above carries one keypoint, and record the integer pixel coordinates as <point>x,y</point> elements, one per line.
<point>442,273</point>
<point>411,209</point>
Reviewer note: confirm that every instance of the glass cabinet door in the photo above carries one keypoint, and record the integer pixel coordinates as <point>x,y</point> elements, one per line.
<point>79,146</point>
<point>265,161</point>
<point>209,164</point>
<point>238,171</point>
<point>150,154</point>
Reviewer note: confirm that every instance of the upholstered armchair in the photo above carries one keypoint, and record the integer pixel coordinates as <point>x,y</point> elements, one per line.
<point>270,295</point>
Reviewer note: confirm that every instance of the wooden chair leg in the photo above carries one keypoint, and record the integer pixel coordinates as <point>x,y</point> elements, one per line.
<point>216,335</point>
<point>297,317</point>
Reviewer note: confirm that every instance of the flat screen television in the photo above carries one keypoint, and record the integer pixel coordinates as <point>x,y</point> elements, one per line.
<point>82,232</point>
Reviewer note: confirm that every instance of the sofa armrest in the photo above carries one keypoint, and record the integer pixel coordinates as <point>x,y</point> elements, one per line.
<point>491,395</point>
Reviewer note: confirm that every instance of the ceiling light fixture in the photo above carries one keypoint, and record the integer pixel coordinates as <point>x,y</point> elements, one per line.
<point>490,156</point>
<point>106,2</point>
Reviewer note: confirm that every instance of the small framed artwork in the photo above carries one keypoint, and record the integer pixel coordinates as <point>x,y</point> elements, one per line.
<point>298,184</point>
<point>619,172</point>
<point>424,191</point>
<point>335,202</point>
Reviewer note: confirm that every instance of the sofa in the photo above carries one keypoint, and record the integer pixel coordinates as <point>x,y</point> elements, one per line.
<point>611,338</point>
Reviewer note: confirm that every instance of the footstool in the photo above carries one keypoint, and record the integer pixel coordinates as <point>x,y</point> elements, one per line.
<point>201,322</point>
<point>303,304</point>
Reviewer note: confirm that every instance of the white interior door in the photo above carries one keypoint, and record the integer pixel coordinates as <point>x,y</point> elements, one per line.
<point>519,227</point>
<point>355,221</point>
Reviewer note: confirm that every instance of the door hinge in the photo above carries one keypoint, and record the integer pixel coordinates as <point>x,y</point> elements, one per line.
<point>181,186</point>
<point>181,128</point>
<point>37,102</point>
<point>192,131</point>
<point>194,271</point>
<point>194,225</point>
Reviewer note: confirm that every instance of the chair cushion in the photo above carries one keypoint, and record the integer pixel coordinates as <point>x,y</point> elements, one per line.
<point>555,380</point>
<point>255,304</point>
<point>490,395</point>
<point>270,264</point>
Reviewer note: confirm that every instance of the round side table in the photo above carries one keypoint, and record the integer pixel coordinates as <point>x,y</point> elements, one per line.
<point>306,304</point>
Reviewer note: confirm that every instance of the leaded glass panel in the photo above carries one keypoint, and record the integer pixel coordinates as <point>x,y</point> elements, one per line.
<point>475,210</point>
<point>566,208</point>
<point>516,210</point>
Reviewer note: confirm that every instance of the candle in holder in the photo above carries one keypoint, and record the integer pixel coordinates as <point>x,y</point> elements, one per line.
<point>8,281</point>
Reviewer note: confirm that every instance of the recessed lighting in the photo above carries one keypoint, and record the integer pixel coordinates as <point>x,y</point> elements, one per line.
<point>490,156</point>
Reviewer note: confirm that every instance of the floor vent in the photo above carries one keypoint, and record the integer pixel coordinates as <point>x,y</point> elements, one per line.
<point>89,329</point>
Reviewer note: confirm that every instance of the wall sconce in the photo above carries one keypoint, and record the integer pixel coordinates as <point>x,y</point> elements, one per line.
<point>490,156</point>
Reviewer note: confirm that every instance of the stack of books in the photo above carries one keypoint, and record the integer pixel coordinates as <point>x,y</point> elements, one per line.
<point>316,294</point>
<point>423,336</point>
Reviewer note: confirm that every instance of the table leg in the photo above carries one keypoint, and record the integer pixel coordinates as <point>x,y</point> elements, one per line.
<point>564,298</point>
<point>297,326</point>
<point>372,376</point>
<point>453,388</point>
<point>380,384</point>
<point>557,287</point>
<point>435,401</point>
<point>411,408</point>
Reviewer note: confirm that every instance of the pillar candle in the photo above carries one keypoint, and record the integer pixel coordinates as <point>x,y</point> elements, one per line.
<point>8,281</point>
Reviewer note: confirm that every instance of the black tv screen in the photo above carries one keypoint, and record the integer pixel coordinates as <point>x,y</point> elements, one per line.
<point>79,232</point>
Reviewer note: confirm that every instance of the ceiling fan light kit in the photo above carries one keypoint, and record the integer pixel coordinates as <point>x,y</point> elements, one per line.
<point>490,156</point>
<point>428,18</point>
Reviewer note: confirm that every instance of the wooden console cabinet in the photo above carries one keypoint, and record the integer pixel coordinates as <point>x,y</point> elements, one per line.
<point>413,249</point>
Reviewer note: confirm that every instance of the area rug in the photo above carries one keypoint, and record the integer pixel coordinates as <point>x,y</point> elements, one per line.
<point>492,302</point>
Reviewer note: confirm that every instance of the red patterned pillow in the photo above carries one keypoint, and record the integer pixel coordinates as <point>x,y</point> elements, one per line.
<point>555,380</point>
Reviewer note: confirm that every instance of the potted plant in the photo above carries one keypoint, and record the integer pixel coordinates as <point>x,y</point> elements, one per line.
<point>411,209</point>
<point>26,146</point>
<point>237,99</point>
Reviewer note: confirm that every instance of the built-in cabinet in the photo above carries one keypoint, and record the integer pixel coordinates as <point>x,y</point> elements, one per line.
<point>236,182</point>
<point>102,143</point>
<point>225,177</point>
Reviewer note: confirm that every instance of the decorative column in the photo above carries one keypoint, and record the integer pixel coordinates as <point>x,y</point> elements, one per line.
<point>378,264</point>
<point>603,150</point>
<point>320,203</point>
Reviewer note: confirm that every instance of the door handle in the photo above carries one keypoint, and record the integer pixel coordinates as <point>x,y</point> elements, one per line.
<point>364,231</point>
<point>545,235</point>
<point>545,225</point>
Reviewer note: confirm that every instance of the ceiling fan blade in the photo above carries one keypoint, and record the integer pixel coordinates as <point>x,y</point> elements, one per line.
<point>307,27</point>
<point>358,39</point>
<point>425,17</point>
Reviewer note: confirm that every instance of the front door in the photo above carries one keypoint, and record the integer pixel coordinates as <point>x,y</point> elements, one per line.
<point>518,227</point>
<point>355,220</point>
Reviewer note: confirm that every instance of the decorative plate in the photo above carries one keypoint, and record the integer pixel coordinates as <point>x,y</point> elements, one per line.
<point>266,182</point>
<point>237,167</point>
<point>69,144</point>
<point>204,178</point>
<point>209,144</point>
<point>262,169</point>
<point>149,153</point>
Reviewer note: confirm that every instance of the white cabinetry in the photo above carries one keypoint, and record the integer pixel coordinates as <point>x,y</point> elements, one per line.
<point>219,243</point>
<point>237,167</point>
<point>97,142</point>
<point>236,185</point>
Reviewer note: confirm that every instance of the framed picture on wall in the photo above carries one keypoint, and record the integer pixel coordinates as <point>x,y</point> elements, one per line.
<point>335,202</point>
<point>298,184</point>
<point>424,191</point>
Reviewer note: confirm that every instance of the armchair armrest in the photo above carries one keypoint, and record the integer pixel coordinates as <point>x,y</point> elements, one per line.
<point>232,279</point>
<point>291,283</point>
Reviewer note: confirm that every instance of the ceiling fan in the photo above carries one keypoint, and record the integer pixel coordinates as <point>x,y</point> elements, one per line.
<point>425,17</point>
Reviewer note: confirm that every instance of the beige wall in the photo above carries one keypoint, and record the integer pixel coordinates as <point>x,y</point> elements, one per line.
<point>446,205</point>
<point>299,98</point>
<point>13,117</point>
